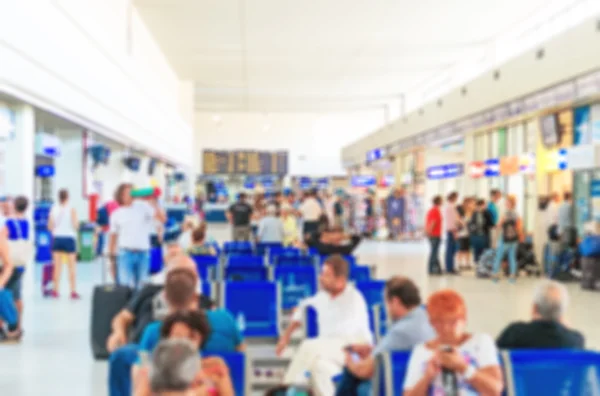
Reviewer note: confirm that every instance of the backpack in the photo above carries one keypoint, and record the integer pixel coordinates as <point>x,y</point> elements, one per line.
<point>103,218</point>
<point>509,229</point>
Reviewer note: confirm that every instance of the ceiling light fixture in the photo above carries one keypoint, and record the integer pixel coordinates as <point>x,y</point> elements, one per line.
<point>216,118</point>
<point>267,127</point>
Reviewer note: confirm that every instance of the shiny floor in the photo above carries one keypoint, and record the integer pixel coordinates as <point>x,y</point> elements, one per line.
<point>54,357</point>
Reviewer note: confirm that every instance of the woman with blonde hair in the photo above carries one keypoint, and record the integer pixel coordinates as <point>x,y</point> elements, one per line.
<point>511,232</point>
<point>456,361</point>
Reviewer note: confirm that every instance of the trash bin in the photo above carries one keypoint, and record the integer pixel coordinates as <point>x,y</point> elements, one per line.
<point>86,242</point>
<point>43,244</point>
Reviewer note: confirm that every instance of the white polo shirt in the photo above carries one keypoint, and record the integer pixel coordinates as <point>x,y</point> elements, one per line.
<point>133,225</point>
<point>311,209</point>
<point>343,316</point>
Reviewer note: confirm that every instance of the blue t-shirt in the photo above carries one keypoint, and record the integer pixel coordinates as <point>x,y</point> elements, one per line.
<point>225,335</point>
<point>493,209</point>
<point>395,207</point>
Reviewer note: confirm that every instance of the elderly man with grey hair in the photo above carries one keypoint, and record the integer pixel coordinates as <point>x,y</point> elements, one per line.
<point>547,329</point>
<point>174,367</point>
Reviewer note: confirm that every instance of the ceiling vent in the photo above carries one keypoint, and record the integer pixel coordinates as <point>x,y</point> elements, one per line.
<point>497,75</point>
<point>463,91</point>
<point>540,53</point>
<point>440,102</point>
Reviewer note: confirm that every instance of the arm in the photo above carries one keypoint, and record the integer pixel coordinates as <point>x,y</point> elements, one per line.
<point>8,267</point>
<point>363,369</point>
<point>487,380</point>
<point>229,215</point>
<point>295,323</point>
<point>74,219</point>
<point>119,325</point>
<point>418,380</point>
<point>159,214</point>
<point>51,222</point>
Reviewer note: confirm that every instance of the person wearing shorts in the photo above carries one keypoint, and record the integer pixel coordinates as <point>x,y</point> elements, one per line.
<point>63,224</point>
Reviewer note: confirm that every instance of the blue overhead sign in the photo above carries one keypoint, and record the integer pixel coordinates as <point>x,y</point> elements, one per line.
<point>445,171</point>
<point>376,154</point>
<point>492,167</point>
<point>363,181</point>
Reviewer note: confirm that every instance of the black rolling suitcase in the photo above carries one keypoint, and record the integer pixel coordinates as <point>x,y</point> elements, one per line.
<point>107,301</point>
<point>590,273</point>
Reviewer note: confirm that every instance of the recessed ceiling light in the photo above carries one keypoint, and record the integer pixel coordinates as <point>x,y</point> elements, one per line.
<point>267,127</point>
<point>216,118</point>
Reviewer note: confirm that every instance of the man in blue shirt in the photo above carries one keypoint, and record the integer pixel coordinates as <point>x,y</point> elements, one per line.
<point>411,327</point>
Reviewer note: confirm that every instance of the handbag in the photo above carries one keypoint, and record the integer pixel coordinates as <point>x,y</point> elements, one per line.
<point>21,249</point>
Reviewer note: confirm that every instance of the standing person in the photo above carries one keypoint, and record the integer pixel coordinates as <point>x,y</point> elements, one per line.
<point>63,224</point>
<point>465,211</point>
<point>510,230</point>
<point>495,196</point>
<point>338,212</point>
<point>270,228</point>
<point>311,212</point>
<point>396,206</point>
<point>131,226</point>
<point>290,225</point>
<point>21,249</point>
<point>240,216</point>
<point>480,226</point>
<point>566,226</point>
<point>451,223</point>
<point>433,228</point>
<point>370,214</point>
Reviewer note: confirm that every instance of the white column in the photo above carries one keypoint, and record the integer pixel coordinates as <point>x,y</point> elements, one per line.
<point>69,166</point>
<point>20,159</point>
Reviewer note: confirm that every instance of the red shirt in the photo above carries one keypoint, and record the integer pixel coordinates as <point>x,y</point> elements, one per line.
<point>434,216</point>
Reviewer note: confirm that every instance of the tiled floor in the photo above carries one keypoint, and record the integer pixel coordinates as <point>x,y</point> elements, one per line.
<point>54,357</point>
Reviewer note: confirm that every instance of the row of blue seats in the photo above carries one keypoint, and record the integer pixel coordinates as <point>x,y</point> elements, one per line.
<point>526,373</point>
<point>260,304</point>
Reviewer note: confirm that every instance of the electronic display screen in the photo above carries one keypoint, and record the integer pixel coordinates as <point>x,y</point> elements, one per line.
<point>215,162</point>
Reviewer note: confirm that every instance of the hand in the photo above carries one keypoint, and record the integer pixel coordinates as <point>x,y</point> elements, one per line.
<point>116,340</point>
<point>433,367</point>
<point>362,350</point>
<point>452,361</point>
<point>281,345</point>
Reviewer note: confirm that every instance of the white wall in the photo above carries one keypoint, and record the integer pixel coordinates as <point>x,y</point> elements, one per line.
<point>95,63</point>
<point>568,55</point>
<point>313,141</point>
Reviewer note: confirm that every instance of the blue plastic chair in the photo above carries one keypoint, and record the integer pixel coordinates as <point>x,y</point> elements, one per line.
<point>294,260</point>
<point>206,266</point>
<point>255,305</point>
<point>237,248</point>
<point>247,260</point>
<point>297,282</point>
<point>373,293</point>
<point>360,274</point>
<point>554,372</point>
<point>276,253</point>
<point>263,248</point>
<point>312,324</point>
<point>246,272</point>
<point>238,365</point>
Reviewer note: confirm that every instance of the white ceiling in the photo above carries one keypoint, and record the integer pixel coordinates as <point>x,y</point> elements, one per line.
<point>270,55</point>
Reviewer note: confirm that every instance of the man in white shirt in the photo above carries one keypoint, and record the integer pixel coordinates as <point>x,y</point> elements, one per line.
<point>130,228</point>
<point>310,210</point>
<point>343,320</point>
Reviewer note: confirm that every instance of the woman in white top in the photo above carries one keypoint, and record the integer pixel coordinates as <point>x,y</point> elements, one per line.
<point>455,362</point>
<point>63,224</point>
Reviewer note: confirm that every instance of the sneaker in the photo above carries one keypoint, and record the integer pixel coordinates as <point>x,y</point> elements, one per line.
<point>10,337</point>
<point>53,294</point>
<point>75,296</point>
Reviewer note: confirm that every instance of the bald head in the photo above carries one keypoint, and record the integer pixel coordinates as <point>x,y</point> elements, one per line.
<point>550,300</point>
<point>182,261</point>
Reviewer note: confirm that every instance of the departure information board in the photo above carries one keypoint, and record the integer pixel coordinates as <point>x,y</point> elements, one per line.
<point>220,162</point>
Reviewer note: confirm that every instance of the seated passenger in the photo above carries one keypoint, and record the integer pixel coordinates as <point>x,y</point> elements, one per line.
<point>179,294</point>
<point>290,225</point>
<point>200,246</point>
<point>547,328</point>
<point>176,370</point>
<point>343,320</point>
<point>143,308</point>
<point>333,241</point>
<point>411,327</point>
<point>270,227</point>
<point>185,239</point>
<point>471,360</point>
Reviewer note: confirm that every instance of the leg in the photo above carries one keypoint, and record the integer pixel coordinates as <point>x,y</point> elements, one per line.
<point>450,251</point>
<point>348,384</point>
<point>431,262</point>
<point>498,259</point>
<point>322,372</point>
<point>72,263</point>
<point>57,258</point>
<point>143,267</point>
<point>512,258</point>
<point>119,370</point>
<point>125,268</point>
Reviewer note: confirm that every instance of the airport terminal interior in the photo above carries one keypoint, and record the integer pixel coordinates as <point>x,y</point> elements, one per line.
<point>329,198</point>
